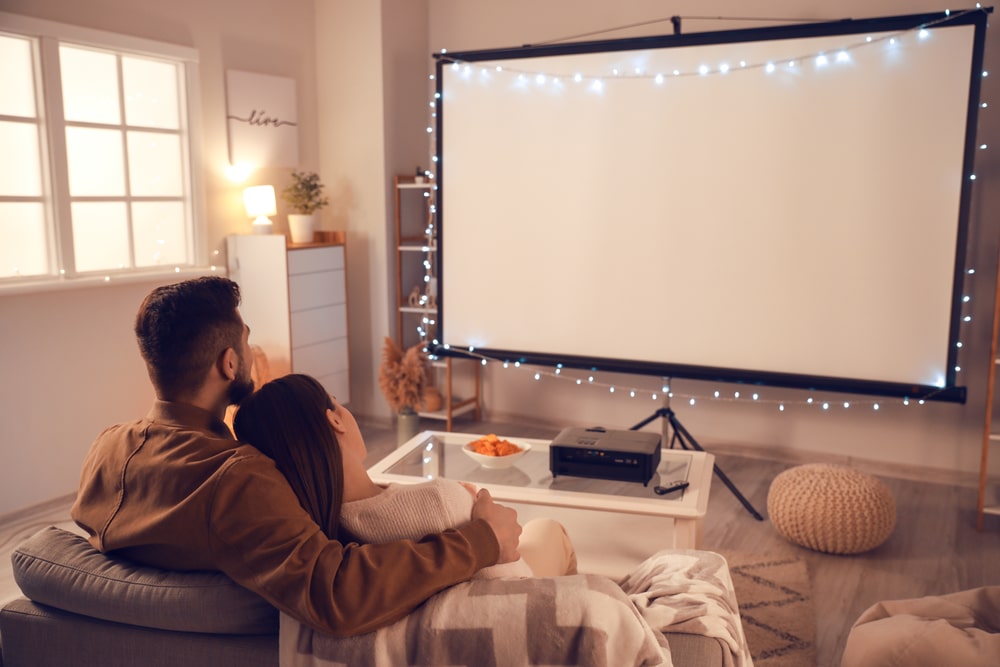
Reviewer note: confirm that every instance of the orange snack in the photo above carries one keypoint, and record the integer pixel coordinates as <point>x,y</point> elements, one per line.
<point>491,445</point>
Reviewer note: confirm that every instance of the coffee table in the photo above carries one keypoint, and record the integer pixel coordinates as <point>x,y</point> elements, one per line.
<point>528,485</point>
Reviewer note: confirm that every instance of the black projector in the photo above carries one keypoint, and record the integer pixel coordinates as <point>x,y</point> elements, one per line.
<point>628,456</point>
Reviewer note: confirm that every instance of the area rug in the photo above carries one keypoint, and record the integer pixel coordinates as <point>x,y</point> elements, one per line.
<point>775,598</point>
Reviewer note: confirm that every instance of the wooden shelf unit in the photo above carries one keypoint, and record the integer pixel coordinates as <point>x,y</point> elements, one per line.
<point>990,438</point>
<point>413,249</point>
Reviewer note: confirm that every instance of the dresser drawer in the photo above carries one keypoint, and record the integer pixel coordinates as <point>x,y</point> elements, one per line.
<point>319,324</point>
<point>313,290</point>
<point>310,260</point>
<point>323,358</point>
<point>337,385</point>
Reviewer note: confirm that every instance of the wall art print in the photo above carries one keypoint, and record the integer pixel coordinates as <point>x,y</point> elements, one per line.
<point>262,119</point>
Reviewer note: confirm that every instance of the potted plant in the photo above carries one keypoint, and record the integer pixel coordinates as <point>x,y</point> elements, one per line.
<point>402,377</point>
<point>305,196</point>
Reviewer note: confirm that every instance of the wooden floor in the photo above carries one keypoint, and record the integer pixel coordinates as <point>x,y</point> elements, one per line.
<point>934,549</point>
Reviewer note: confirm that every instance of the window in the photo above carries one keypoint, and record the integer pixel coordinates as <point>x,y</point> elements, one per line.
<point>95,132</point>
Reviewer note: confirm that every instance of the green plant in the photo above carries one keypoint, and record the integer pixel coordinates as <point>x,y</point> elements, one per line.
<point>305,194</point>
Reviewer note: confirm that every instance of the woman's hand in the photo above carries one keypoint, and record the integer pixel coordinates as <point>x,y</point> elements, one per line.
<point>503,521</point>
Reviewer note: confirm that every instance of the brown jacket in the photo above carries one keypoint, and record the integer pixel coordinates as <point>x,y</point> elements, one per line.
<point>175,490</point>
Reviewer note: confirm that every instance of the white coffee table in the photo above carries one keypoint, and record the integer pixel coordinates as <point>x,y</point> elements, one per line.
<point>528,485</point>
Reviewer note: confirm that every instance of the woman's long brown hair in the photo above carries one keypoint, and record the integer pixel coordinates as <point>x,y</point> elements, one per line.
<point>286,420</point>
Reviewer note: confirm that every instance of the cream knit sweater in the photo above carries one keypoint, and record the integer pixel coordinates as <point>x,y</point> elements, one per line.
<point>411,511</point>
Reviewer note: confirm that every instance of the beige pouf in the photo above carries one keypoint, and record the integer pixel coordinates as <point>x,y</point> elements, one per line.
<point>831,508</point>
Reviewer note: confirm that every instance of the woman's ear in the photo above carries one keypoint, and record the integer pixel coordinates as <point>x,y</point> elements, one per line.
<point>331,416</point>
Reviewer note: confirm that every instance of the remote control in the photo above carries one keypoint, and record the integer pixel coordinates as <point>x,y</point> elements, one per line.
<point>670,487</point>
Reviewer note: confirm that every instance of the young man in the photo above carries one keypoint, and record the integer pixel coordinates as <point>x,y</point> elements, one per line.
<point>177,491</point>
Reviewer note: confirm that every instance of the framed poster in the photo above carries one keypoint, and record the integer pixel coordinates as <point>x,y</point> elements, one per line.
<point>262,120</point>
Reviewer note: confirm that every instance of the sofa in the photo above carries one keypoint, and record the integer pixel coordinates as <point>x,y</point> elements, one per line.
<point>81,607</point>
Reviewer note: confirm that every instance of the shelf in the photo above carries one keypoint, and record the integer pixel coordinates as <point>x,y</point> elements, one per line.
<point>411,185</point>
<point>413,249</point>
<point>457,408</point>
<point>989,437</point>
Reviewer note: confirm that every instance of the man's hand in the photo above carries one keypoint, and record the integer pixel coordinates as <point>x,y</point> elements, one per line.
<point>503,521</point>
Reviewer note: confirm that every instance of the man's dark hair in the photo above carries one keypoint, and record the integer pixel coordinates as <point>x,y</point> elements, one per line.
<point>183,328</point>
<point>286,419</point>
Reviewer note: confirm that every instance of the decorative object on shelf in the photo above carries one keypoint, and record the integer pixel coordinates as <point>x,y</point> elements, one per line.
<point>402,377</point>
<point>431,292</point>
<point>260,203</point>
<point>305,196</point>
<point>432,399</point>
<point>419,176</point>
<point>414,298</point>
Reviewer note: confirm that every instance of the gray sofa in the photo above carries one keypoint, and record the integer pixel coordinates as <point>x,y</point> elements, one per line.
<point>82,608</point>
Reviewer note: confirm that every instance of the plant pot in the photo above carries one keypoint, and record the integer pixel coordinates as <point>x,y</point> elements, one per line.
<point>407,425</point>
<point>302,228</point>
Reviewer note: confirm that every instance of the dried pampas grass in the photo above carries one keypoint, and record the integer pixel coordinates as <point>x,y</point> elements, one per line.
<point>402,375</point>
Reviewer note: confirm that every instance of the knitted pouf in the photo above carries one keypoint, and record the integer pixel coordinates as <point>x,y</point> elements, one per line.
<point>831,508</point>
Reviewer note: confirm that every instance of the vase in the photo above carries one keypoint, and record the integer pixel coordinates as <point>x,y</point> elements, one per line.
<point>302,228</point>
<point>407,425</point>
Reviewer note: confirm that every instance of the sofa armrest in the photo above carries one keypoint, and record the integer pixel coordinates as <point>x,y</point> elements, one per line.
<point>60,569</point>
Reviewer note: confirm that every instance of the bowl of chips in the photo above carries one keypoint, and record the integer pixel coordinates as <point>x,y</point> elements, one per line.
<point>491,451</point>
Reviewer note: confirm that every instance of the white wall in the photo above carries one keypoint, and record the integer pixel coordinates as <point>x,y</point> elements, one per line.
<point>70,365</point>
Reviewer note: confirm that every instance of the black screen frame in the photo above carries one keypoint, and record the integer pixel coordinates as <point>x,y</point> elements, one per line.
<point>950,392</point>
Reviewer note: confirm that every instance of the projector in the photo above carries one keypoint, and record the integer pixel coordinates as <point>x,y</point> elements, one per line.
<point>628,456</point>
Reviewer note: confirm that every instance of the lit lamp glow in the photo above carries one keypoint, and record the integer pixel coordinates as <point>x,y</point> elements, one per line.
<point>260,203</point>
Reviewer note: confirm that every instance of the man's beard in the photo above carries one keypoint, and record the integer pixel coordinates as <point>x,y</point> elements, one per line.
<point>242,386</point>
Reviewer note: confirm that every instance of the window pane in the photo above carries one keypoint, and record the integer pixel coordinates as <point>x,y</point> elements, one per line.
<point>158,230</point>
<point>95,162</point>
<point>154,164</point>
<point>16,78</point>
<point>150,93</point>
<point>100,236</point>
<point>89,85</point>
<point>20,176</point>
<point>22,229</point>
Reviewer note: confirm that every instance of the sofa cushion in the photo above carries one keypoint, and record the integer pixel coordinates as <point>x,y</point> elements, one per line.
<point>61,569</point>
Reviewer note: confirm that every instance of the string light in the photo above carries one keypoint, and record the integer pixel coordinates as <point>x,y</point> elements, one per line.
<point>820,60</point>
<point>691,399</point>
<point>596,84</point>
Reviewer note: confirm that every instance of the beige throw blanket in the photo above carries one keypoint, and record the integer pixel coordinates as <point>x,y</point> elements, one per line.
<point>583,619</point>
<point>690,592</point>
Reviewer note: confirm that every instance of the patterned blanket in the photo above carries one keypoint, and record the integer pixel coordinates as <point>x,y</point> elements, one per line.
<point>582,619</point>
<point>690,592</point>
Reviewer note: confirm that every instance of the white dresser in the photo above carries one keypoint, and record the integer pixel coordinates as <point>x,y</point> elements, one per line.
<point>295,303</point>
<point>317,303</point>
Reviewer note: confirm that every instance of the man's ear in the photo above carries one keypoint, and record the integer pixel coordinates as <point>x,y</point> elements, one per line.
<point>338,426</point>
<point>229,363</point>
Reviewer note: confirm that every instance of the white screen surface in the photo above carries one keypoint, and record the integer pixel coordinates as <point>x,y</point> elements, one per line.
<point>795,220</point>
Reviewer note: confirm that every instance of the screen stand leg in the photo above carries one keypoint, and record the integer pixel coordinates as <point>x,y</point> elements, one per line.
<point>687,441</point>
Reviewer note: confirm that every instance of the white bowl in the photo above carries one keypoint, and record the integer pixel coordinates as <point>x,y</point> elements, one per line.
<point>497,461</point>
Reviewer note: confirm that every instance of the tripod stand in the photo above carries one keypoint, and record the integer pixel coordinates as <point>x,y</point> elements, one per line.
<point>681,434</point>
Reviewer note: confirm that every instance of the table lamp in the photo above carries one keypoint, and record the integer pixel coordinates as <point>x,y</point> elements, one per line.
<point>260,203</point>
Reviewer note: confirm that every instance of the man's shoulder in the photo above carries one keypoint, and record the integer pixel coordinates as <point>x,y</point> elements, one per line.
<point>170,444</point>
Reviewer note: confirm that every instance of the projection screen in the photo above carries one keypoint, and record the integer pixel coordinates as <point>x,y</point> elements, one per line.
<point>781,206</point>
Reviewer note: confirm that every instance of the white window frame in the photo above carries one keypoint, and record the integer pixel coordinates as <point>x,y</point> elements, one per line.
<point>47,36</point>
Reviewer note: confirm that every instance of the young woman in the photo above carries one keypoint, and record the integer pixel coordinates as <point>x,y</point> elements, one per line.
<point>316,443</point>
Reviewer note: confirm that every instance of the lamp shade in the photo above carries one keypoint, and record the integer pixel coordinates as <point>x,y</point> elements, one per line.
<point>259,201</point>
